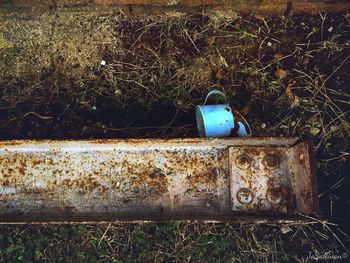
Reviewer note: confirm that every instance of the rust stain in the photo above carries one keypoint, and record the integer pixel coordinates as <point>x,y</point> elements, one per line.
<point>271,161</point>
<point>274,194</point>
<point>123,177</point>
<point>306,195</point>
<point>243,161</point>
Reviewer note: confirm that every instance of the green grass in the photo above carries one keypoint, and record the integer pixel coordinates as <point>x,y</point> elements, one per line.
<point>167,242</point>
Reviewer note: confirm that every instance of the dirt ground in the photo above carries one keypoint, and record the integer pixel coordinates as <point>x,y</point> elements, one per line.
<point>108,75</point>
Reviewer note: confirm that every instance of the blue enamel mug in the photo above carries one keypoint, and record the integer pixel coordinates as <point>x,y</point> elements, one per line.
<point>220,120</point>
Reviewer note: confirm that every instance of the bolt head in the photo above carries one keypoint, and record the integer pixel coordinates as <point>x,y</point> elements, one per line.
<point>271,161</point>
<point>245,196</point>
<point>274,196</point>
<point>243,161</point>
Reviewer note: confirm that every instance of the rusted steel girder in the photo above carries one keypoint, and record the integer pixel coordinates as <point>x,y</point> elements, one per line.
<point>158,6</point>
<point>203,179</point>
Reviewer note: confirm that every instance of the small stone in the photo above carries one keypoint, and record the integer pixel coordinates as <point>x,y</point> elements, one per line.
<point>263,125</point>
<point>285,229</point>
<point>278,56</point>
<point>314,131</point>
<point>103,63</point>
<point>330,29</point>
<point>118,92</point>
<point>178,102</point>
<point>94,107</point>
<point>98,124</point>
<point>269,44</point>
<point>266,237</point>
<point>281,74</point>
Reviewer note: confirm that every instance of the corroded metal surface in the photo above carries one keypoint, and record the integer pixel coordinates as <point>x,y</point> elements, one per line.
<point>272,179</point>
<point>260,179</point>
<point>106,180</point>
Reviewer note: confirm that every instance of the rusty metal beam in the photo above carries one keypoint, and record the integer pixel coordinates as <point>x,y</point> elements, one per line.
<point>204,179</point>
<point>267,7</point>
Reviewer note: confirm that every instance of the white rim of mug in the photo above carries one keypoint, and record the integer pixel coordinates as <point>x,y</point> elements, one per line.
<point>244,119</point>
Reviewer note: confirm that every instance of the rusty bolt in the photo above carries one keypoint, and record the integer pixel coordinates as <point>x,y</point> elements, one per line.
<point>271,161</point>
<point>274,196</point>
<point>243,161</point>
<point>245,196</point>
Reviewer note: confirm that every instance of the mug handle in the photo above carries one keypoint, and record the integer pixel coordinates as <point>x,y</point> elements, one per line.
<point>215,91</point>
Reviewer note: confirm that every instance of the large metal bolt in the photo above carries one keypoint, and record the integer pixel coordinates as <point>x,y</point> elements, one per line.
<point>243,161</point>
<point>274,196</point>
<point>271,161</point>
<point>245,196</point>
